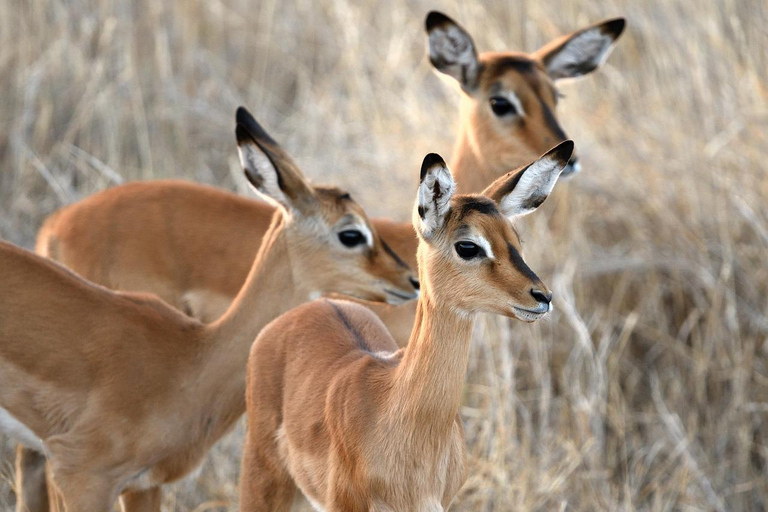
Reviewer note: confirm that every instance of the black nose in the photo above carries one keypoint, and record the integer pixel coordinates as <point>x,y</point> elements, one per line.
<point>539,296</point>
<point>414,282</point>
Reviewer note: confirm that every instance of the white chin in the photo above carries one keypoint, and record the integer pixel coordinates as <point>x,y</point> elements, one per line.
<point>526,315</point>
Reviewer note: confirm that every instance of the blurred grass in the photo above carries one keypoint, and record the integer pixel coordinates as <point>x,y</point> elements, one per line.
<point>647,389</point>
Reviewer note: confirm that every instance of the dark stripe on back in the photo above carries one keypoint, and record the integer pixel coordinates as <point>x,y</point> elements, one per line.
<point>519,263</point>
<point>351,328</point>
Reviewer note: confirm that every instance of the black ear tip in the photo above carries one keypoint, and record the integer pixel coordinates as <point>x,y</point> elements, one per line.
<point>563,151</point>
<point>243,116</point>
<point>242,134</point>
<point>615,27</point>
<point>435,19</point>
<point>249,123</point>
<point>431,160</point>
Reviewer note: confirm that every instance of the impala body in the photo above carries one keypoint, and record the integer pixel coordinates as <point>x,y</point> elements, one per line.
<point>161,237</point>
<point>335,409</point>
<point>124,393</point>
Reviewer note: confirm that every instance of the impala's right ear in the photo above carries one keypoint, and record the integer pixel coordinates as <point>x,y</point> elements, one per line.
<point>520,192</point>
<point>581,52</point>
<point>267,166</point>
<point>436,189</point>
<point>451,50</point>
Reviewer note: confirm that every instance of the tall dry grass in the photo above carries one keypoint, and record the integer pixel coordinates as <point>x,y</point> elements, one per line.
<point>646,389</point>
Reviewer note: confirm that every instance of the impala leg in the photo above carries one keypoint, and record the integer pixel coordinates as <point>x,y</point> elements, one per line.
<point>31,486</point>
<point>84,492</point>
<point>265,484</point>
<point>148,500</point>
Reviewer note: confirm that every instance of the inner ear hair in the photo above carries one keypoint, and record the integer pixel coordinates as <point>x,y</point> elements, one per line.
<point>452,50</point>
<point>581,52</point>
<point>436,188</point>
<point>522,191</point>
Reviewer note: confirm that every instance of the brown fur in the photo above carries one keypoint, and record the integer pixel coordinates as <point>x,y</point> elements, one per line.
<point>202,240</point>
<point>187,225</point>
<point>126,392</point>
<point>337,411</point>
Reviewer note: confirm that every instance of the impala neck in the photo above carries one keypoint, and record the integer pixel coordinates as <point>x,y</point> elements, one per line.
<point>470,169</point>
<point>430,377</point>
<point>269,291</point>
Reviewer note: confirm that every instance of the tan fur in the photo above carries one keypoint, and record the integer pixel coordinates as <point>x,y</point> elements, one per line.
<point>191,245</point>
<point>337,411</point>
<point>125,392</point>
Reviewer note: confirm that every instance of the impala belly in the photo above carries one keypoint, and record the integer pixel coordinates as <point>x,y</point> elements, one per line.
<point>18,431</point>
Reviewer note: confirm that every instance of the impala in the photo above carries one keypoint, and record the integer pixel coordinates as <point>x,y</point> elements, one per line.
<point>159,236</point>
<point>335,409</point>
<point>123,393</point>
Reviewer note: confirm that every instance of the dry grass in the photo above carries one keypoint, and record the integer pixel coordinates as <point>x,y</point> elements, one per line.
<point>647,389</point>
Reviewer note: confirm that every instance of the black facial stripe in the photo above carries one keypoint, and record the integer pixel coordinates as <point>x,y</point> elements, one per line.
<point>421,211</point>
<point>551,121</point>
<point>348,325</point>
<point>392,253</point>
<point>519,264</point>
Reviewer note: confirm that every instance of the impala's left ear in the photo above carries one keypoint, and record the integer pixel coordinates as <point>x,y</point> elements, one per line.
<point>520,192</point>
<point>581,52</point>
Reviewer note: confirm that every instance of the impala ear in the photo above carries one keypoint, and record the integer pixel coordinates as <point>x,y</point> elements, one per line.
<point>268,167</point>
<point>436,189</point>
<point>581,52</point>
<point>520,192</point>
<point>451,50</point>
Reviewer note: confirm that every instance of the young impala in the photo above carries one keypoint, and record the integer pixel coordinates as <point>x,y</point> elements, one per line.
<point>124,393</point>
<point>359,426</point>
<point>159,236</point>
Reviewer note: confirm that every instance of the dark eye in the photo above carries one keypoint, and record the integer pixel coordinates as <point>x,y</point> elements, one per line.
<point>468,250</point>
<point>501,106</point>
<point>351,237</point>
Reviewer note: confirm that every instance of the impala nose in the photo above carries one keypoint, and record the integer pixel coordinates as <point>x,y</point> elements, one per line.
<point>414,282</point>
<point>541,296</point>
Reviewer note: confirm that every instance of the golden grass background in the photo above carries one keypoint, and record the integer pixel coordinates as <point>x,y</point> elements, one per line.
<point>646,389</point>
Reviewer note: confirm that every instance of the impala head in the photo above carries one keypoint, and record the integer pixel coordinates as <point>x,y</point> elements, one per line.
<point>332,244</point>
<point>509,98</point>
<point>470,255</point>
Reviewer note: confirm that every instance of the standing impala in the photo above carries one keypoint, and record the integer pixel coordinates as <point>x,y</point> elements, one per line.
<point>124,393</point>
<point>160,236</point>
<point>359,426</point>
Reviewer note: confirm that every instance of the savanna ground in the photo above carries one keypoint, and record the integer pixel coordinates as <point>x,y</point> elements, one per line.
<point>646,389</point>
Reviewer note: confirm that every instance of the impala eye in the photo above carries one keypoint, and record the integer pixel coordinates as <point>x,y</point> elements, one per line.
<point>351,238</point>
<point>502,106</point>
<point>468,250</point>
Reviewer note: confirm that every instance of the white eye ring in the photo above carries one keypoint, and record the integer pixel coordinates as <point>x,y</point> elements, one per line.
<point>360,228</point>
<point>481,242</point>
